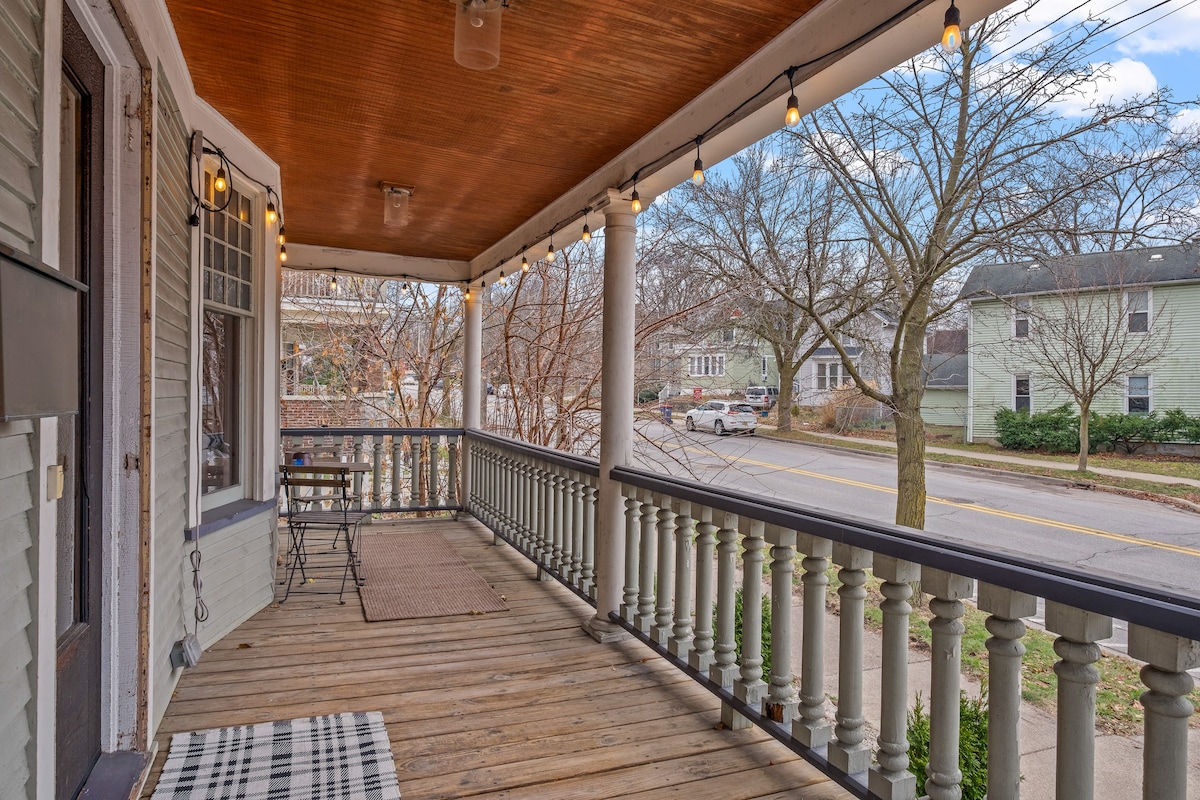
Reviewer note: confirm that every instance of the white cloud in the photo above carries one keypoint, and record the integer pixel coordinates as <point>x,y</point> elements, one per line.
<point>1173,28</point>
<point>1120,80</point>
<point>1188,118</point>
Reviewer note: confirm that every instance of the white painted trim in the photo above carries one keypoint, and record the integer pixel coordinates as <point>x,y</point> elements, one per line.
<point>364,262</point>
<point>970,432</point>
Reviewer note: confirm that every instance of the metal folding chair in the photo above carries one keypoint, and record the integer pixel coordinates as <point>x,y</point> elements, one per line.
<point>312,553</point>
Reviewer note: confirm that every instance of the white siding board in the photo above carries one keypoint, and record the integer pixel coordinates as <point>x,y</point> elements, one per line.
<point>238,574</point>
<point>17,630</point>
<point>172,449</point>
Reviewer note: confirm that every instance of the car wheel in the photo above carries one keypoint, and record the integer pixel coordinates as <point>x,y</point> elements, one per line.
<point>691,423</point>
<point>719,428</point>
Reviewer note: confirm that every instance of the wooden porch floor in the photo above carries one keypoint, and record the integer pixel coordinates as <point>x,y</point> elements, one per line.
<point>518,704</point>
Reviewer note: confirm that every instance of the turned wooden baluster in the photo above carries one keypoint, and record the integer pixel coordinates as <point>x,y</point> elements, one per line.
<point>1078,631</point>
<point>633,534</point>
<point>647,566</point>
<point>1006,607</point>
<point>680,644</point>
<point>1165,753</point>
<point>848,752</point>
<point>702,655</point>
<point>889,777</point>
<point>944,778</point>
<point>811,728</point>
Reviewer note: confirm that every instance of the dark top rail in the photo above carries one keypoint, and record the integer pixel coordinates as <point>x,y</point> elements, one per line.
<point>372,431</point>
<point>587,466</point>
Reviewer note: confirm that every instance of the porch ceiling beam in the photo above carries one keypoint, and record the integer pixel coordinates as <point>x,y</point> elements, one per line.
<point>369,263</point>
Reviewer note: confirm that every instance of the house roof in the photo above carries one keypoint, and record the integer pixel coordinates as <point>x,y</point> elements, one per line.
<point>945,371</point>
<point>1147,266</point>
<point>345,95</point>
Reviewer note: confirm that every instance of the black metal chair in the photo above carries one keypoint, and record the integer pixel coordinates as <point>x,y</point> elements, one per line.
<point>312,553</point>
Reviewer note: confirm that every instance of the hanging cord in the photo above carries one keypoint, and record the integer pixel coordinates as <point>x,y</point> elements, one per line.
<point>201,612</point>
<point>207,147</point>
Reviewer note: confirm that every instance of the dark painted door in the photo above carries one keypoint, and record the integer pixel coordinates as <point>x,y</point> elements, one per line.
<point>79,436</point>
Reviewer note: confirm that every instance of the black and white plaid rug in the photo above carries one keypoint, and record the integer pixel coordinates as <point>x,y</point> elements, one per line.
<point>320,758</point>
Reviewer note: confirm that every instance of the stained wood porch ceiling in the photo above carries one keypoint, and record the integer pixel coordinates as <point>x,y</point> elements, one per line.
<point>345,94</point>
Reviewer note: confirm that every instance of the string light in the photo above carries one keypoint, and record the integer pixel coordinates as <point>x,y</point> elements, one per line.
<point>952,35</point>
<point>282,254</point>
<point>524,263</point>
<point>550,254</point>
<point>587,232</point>
<point>792,117</point>
<point>503,280</point>
<point>220,183</point>
<point>698,167</point>
<point>333,284</point>
<point>272,215</point>
<point>635,202</point>
<point>281,238</point>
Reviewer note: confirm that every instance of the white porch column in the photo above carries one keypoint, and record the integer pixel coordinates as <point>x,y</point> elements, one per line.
<point>616,410</point>
<point>472,380</point>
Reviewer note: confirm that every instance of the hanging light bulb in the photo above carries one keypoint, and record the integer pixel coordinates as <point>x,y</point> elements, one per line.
<point>635,202</point>
<point>587,232</point>
<point>467,294</point>
<point>280,238</point>
<point>952,35</point>
<point>503,280</point>
<point>792,117</point>
<point>698,167</point>
<point>524,263</point>
<point>272,215</point>
<point>404,288</point>
<point>220,184</point>
<point>282,254</point>
<point>550,254</point>
<point>333,284</point>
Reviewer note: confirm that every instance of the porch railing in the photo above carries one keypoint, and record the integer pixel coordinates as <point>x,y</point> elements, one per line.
<point>404,469</point>
<point>699,545</point>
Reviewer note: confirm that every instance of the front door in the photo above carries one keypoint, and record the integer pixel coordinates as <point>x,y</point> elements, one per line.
<point>80,436</point>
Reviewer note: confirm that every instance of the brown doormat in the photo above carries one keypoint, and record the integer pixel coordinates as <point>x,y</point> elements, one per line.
<point>418,574</point>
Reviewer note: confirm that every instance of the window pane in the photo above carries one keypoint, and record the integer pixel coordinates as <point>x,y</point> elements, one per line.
<point>1022,328</point>
<point>1139,405</point>
<point>1139,322</point>
<point>1139,385</point>
<point>219,401</point>
<point>1023,403</point>
<point>1138,301</point>
<point>1022,387</point>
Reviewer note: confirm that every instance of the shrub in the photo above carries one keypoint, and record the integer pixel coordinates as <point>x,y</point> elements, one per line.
<point>647,396</point>
<point>972,745</point>
<point>1056,430</point>
<point>1129,432</point>
<point>1182,427</point>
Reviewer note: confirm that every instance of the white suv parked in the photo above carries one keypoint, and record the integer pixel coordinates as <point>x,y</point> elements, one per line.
<point>762,396</point>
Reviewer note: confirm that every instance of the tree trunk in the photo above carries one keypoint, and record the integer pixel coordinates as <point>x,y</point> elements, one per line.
<point>1084,412</point>
<point>783,407</point>
<point>907,392</point>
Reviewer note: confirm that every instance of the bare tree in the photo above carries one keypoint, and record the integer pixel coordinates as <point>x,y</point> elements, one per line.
<point>770,235</point>
<point>946,160</point>
<point>1089,331</point>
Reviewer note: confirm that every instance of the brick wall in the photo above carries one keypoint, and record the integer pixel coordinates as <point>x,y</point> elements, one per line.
<point>315,412</point>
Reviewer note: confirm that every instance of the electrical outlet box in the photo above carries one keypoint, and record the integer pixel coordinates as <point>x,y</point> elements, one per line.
<point>186,652</point>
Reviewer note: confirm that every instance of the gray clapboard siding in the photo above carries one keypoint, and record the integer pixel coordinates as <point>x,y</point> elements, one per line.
<point>172,448</point>
<point>20,93</point>
<point>18,633</point>
<point>238,574</point>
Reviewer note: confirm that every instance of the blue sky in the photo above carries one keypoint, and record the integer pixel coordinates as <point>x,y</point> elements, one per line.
<point>1153,49</point>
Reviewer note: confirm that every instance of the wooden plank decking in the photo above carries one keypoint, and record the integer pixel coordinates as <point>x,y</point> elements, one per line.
<point>517,704</point>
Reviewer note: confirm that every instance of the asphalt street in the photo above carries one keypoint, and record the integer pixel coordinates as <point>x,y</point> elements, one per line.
<point>1148,543</point>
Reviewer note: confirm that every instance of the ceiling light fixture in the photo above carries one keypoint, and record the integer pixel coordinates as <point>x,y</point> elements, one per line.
<point>396,206</point>
<point>952,35</point>
<point>792,117</point>
<point>477,32</point>
<point>698,167</point>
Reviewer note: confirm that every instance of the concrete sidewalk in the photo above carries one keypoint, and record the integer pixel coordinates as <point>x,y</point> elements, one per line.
<point>1118,758</point>
<point>1015,459</point>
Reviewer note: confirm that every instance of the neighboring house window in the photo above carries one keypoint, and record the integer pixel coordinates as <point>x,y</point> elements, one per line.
<point>764,367</point>
<point>706,366</point>
<point>727,335</point>
<point>656,364</point>
<point>830,375</point>
<point>227,285</point>
<point>1137,311</point>
<point>1022,394</point>
<point>1021,317</point>
<point>1137,394</point>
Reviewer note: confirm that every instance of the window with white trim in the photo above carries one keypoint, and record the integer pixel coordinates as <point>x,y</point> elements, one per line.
<point>1022,393</point>
<point>1137,311</point>
<point>1137,394</point>
<point>831,374</point>
<point>227,281</point>
<point>1021,310</point>
<point>709,366</point>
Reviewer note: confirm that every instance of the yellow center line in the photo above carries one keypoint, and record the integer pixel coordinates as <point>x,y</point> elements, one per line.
<point>995,512</point>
